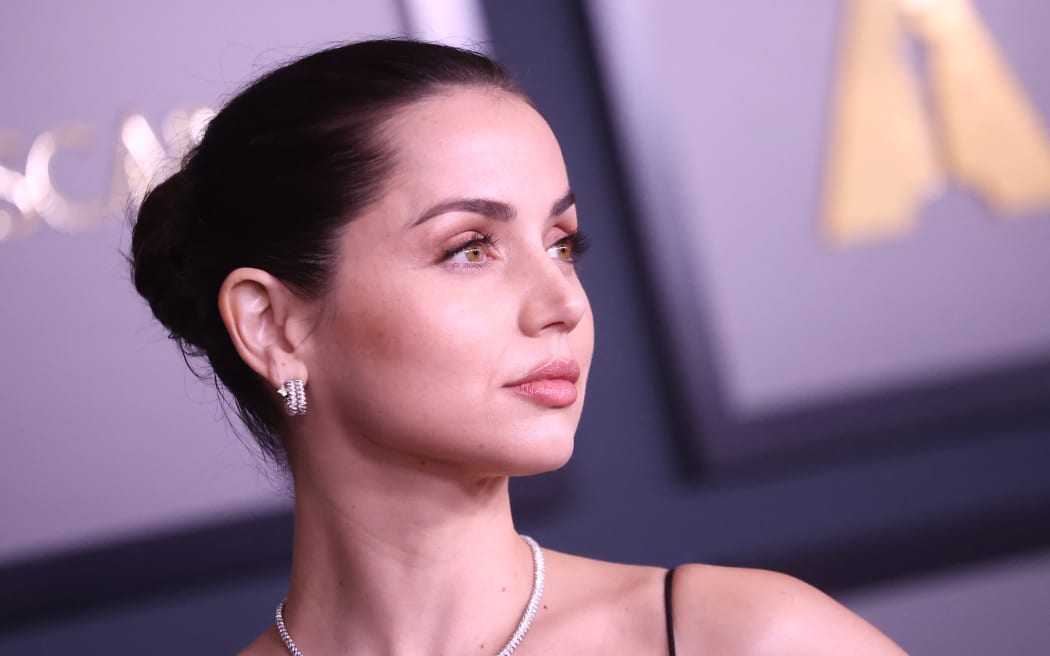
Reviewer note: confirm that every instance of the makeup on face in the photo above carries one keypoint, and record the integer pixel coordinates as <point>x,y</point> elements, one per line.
<point>551,384</point>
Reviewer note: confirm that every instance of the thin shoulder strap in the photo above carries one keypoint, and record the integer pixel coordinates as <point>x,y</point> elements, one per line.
<point>668,580</point>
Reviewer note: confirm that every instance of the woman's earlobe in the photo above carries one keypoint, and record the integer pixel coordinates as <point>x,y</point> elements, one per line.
<point>255,308</point>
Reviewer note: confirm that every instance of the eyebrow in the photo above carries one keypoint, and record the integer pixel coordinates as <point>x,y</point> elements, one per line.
<point>564,203</point>
<point>489,208</point>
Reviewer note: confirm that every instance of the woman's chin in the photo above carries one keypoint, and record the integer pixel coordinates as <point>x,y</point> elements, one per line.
<point>542,456</point>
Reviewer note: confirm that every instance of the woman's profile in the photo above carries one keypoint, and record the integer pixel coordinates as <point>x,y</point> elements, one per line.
<point>373,248</point>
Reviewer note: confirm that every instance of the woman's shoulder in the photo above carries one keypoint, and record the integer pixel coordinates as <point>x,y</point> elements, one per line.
<point>599,606</point>
<point>715,609</point>
<point>740,610</point>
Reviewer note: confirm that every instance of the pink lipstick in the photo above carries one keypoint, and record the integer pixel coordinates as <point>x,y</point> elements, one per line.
<point>552,384</point>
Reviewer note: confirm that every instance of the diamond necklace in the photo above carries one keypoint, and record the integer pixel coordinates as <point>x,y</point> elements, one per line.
<point>508,649</point>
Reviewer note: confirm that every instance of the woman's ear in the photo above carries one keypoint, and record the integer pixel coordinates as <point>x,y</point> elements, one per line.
<point>263,318</point>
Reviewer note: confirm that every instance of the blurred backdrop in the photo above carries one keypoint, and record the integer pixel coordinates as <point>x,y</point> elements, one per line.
<point>822,241</point>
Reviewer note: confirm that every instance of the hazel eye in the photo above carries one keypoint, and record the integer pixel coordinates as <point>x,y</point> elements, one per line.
<point>569,248</point>
<point>562,250</point>
<point>474,254</point>
<point>471,252</point>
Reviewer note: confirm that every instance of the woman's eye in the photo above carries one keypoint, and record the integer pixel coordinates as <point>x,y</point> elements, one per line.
<point>472,252</point>
<point>562,250</point>
<point>569,248</point>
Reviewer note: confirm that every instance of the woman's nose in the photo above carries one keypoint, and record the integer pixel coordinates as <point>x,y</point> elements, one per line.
<point>553,299</point>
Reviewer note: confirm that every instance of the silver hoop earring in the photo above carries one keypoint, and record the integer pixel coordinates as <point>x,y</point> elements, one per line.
<point>294,397</point>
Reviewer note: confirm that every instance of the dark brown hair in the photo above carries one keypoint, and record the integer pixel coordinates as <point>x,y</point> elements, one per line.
<point>285,164</point>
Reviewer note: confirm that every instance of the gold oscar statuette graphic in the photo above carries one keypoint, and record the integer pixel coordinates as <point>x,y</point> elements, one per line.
<point>889,154</point>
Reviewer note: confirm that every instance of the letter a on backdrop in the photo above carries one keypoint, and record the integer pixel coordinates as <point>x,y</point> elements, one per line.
<point>897,138</point>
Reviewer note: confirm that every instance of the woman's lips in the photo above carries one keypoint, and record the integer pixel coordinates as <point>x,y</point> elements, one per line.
<point>550,392</point>
<point>552,384</point>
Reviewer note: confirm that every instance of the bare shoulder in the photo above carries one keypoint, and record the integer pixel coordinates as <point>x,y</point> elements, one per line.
<point>751,611</point>
<point>591,606</point>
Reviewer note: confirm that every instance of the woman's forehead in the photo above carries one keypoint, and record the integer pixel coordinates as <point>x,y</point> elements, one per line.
<point>468,142</point>
<point>470,123</point>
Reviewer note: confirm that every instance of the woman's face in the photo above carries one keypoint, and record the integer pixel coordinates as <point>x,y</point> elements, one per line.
<point>456,330</point>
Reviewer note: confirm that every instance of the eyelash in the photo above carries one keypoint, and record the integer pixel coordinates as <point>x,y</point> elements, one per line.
<point>577,241</point>
<point>484,239</point>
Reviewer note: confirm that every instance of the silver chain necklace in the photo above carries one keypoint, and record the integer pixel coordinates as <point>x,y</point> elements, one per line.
<point>508,649</point>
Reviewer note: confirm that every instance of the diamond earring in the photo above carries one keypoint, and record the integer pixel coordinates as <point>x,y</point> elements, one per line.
<point>294,397</point>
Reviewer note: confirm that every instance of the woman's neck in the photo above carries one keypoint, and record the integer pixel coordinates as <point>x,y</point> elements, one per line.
<point>409,561</point>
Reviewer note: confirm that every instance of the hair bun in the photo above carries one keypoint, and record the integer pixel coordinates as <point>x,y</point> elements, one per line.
<point>158,258</point>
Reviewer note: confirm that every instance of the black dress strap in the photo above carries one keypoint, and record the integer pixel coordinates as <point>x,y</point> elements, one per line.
<point>668,579</point>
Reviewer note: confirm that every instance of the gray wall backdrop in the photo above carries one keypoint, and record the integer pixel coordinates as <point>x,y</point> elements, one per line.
<point>948,494</point>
